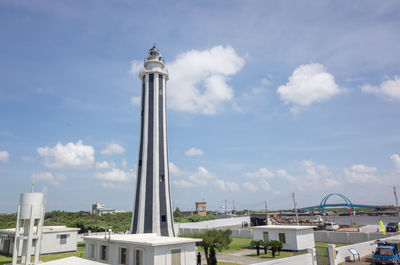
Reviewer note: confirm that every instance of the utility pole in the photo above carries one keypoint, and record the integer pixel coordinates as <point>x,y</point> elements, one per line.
<point>295,208</point>
<point>396,199</point>
<point>233,205</point>
<point>265,204</point>
<point>226,209</point>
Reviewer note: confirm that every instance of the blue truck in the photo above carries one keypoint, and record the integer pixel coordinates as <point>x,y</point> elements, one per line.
<point>387,252</point>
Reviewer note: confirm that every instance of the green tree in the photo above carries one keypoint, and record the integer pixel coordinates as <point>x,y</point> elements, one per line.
<point>213,240</point>
<point>256,244</point>
<point>177,213</point>
<point>276,246</point>
<point>265,244</point>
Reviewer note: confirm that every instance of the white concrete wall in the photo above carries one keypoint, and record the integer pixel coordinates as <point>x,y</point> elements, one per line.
<point>51,242</point>
<point>156,255</point>
<point>336,237</point>
<point>214,223</point>
<point>305,239</point>
<point>295,239</point>
<point>243,233</point>
<point>364,248</point>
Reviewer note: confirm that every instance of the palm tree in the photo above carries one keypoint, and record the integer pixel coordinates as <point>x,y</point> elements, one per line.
<point>275,246</point>
<point>266,244</point>
<point>257,244</point>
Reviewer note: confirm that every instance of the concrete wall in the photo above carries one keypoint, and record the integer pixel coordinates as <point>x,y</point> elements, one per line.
<point>364,248</point>
<point>295,239</point>
<point>335,237</point>
<point>243,233</point>
<point>152,255</point>
<point>51,242</point>
<point>214,223</point>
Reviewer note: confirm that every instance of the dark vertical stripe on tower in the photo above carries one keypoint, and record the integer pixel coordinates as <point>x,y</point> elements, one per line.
<point>148,212</point>
<point>163,201</point>
<point>139,175</point>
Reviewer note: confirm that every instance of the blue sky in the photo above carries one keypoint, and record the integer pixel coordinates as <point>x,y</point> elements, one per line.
<point>265,98</point>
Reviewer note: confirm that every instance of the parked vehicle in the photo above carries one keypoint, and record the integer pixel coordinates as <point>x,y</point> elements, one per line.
<point>392,227</point>
<point>331,226</point>
<point>387,252</point>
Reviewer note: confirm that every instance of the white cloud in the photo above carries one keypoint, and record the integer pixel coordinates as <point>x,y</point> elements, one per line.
<point>104,165</point>
<point>265,185</point>
<point>116,175</point>
<point>309,83</point>
<point>198,81</point>
<point>232,186</point>
<point>124,164</point>
<point>174,170</point>
<point>194,152</point>
<point>112,185</point>
<point>69,156</point>
<point>113,149</point>
<point>53,179</point>
<point>261,173</point>
<point>396,160</point>
<point>135,101</point>
<point>201,177</point>
<point>285,175</point>
<point>183,183</point>
<point>389,89</point>
<point>361,174</point>
<point>27,158</point>
<point>4,156</point>
<point>136,67</point>
<point>250,186</point>
<point>220,184</point>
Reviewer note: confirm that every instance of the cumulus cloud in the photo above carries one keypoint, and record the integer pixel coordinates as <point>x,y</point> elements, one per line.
<point>232,186</point>
<point>389,89</point>
<point>174,170</point>
<point>261,173</point>
<point>198,81</point>
<point>69,156</point>
<point>309,83</point>
<point>113,149</point>
<point>194,152</point>
<point>361,174</point>
<point>183,184</point>
<point>265,185</point>
<point>201,176</point>
<point>396,160</point>
<point>116,175</point>
<point>250,186</point>
<point>136,67</point>
<point>104,165</point>
<point>53,179</point>
<point>4,156</point>
<point>124,164</point>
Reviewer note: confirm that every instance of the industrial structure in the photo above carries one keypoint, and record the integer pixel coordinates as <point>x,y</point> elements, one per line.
<point>152,208</point>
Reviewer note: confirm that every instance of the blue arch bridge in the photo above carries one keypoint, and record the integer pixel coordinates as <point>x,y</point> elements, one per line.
<point>347,204</point>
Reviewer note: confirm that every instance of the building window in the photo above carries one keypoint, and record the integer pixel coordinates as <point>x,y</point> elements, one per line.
<point>138,257</point>
<point>163,218</point>
<point>103,254</point>
<point>162,178</point>
<point>282,238</point>
<point>176,257</point>
<point>34,242</point>
<point>265,236</point>
<point>123,256</point>
<point>63,239</point>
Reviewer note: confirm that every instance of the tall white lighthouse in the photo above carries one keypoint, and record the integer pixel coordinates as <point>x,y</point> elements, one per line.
<point>152,208</point>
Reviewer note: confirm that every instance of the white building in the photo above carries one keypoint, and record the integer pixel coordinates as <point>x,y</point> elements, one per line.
<point>295,238</point>
<point>55,239</point>
<point>140,249</point>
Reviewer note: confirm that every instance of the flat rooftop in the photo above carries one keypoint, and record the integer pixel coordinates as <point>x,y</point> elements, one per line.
<point>283,227</point>
<point>148,239</point>
<point>46,229</point>
<point>73,261</point>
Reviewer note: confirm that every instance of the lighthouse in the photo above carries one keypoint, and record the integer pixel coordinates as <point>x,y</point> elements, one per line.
<point>152,206</point>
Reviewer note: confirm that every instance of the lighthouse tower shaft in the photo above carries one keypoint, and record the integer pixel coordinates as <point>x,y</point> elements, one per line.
<point>152,208</point>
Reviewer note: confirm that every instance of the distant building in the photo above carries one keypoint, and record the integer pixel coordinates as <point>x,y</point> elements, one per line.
<point>201,208</point>
<point>55,239</point>
<point>141,249</point>
<point>98,209</point>
<point>293,237</point>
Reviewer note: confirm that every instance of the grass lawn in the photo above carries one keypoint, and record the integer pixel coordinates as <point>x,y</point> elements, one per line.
<point>50,257</point>
<point>237,244</point>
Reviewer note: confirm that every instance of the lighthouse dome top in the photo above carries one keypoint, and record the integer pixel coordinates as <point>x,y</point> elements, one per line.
<point>154,54</point>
